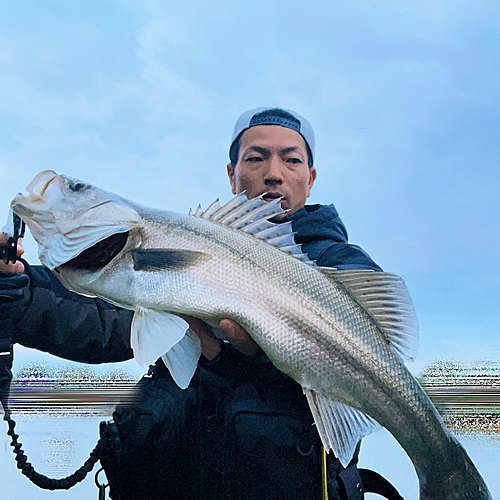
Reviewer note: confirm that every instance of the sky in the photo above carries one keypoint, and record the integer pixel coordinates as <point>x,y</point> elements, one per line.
<point>140,98</point>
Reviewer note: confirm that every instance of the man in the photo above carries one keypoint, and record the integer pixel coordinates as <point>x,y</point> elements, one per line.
<point>242,429</point>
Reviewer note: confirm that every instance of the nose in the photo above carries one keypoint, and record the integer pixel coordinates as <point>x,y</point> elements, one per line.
<point>274,174</point>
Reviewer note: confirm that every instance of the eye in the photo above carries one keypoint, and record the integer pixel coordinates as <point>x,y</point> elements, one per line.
<point>254,159</point>
<point>77,186</point>
<point>294,160</point>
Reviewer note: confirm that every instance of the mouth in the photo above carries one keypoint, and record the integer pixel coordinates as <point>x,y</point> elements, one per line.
<point>273,196</point>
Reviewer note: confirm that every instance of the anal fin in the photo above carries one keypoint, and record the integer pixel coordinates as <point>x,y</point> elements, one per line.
<point>340,426</point>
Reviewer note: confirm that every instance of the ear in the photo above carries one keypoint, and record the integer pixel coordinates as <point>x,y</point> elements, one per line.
<point>312,178</point>
<point>230,174</point>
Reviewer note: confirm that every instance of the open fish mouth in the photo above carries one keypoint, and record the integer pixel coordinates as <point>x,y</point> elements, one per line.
<point>30,205</point>
<point>99,255</point>
<point>41,182</point>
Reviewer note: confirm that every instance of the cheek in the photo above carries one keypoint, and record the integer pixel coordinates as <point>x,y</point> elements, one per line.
<point>301,183</point>
<point>300,188</point>
<point>245,179</point>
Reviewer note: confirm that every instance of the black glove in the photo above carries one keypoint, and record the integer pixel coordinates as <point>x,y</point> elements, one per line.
<point>11,287</point>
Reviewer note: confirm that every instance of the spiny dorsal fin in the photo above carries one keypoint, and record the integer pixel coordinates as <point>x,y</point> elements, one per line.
<point>252,217</point>
<point>386,298</point>
<point>198,212</point>
<point>211,209</point>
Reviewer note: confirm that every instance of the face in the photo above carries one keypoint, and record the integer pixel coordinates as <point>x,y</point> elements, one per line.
<point>273,160</point>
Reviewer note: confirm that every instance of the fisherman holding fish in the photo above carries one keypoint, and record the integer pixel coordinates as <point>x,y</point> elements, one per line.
<point>239,428</point>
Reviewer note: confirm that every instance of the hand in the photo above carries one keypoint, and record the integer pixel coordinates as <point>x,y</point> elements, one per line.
<point>211,345</point>
<point>18,267</point>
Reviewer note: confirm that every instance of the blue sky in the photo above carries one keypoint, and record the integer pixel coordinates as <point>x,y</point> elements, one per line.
<point>140,98</point>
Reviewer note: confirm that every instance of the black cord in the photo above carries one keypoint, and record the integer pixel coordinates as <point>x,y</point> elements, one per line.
<point>40,480</point>
<point>26,468</point>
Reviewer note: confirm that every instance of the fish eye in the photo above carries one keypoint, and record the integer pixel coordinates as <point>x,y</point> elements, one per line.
<point>77,186</point>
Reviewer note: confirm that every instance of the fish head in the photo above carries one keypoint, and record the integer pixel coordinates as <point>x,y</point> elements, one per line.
<point>66,216</point>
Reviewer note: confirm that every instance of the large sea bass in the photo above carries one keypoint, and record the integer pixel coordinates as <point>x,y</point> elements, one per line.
<point>339,334</point>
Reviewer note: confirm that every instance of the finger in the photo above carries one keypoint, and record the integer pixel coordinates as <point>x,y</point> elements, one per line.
<point>210,344</point>
<point>18,267</point>
<point>237,336</point>
<point>20,248</point>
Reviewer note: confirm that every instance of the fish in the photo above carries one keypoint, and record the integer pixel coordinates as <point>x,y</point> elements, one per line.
<point>342,335</point>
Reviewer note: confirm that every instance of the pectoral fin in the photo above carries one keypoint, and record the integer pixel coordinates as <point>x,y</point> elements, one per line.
<point>340,427</point>
<point>154,333</point>
<point>159,259</point>
<point>182,359</point>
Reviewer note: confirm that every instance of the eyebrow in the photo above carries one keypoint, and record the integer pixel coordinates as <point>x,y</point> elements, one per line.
<point>288,150</point>
<point>266,153</point>
<point>263,151</point>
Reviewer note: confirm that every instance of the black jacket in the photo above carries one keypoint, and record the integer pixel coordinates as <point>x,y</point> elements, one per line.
<point>242,429</point>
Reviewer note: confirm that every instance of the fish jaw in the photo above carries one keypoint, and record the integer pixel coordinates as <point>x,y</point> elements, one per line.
<point>40,183</point>
<point>30,208</point>
<point>67,216</point>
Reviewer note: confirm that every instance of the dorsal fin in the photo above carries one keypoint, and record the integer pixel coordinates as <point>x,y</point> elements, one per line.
<point>252,217</point>
<point>386,298</point>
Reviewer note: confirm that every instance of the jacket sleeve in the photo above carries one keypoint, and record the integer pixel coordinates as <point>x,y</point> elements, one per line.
<point>50,318</point>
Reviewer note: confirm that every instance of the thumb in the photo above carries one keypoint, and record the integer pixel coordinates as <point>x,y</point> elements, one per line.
<point>239,337</point>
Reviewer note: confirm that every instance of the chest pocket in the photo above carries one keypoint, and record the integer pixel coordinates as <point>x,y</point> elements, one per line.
<point>271,447</point>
